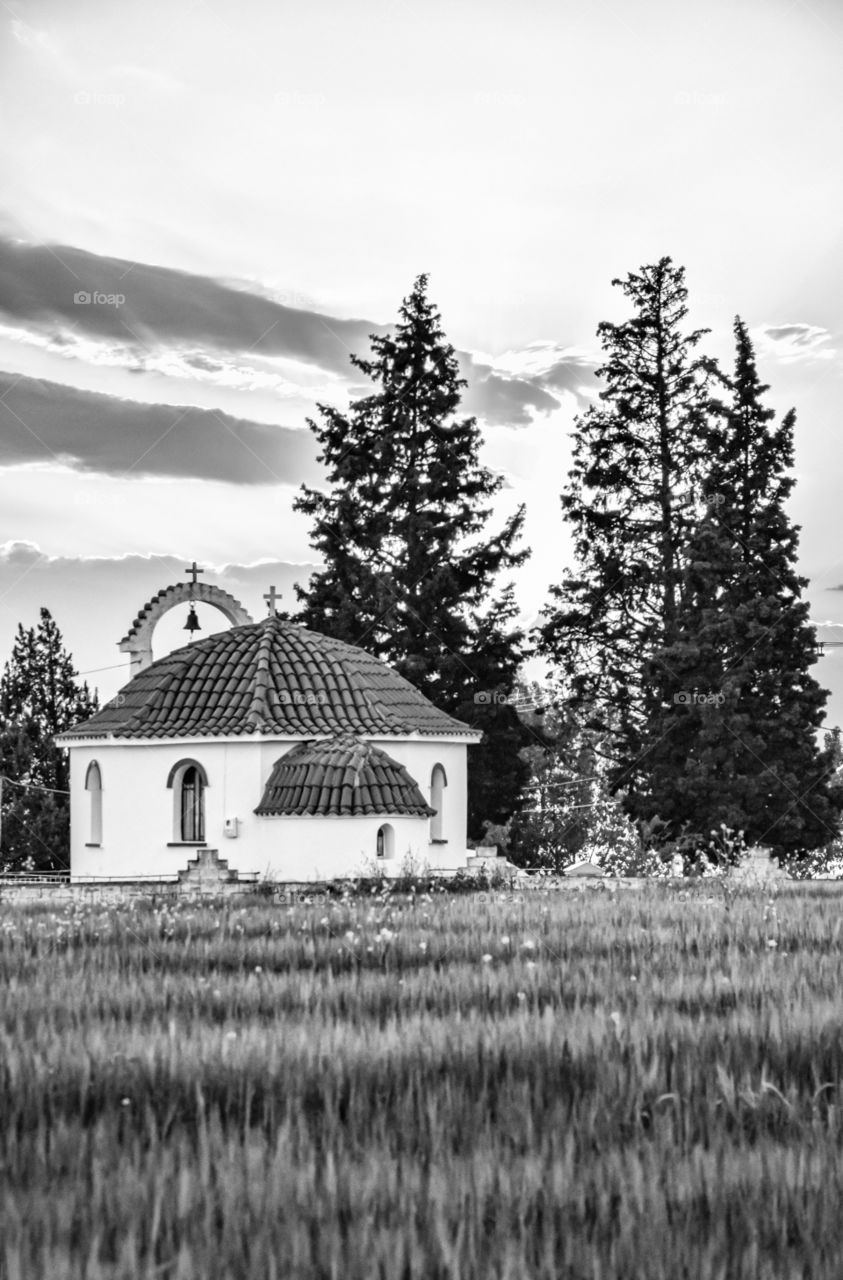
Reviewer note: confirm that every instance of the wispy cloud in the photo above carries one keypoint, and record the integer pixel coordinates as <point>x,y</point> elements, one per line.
<point>145,308</point>
<point>49,422</point>
<point>506,390</point>
<point>110,312</point>
<point>794,342</point>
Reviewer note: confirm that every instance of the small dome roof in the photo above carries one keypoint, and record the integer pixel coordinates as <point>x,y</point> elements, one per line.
<point>341,776</point>
<point>269,677</point>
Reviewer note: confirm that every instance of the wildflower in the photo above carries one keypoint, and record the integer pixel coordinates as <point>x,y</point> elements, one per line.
<point>487,959</point>
<point>258,968</point>
<point>616,1019</point>
<point>528,945</point>
<point>231,1035</point>
<point>771,942</point>
<point>505,940</point>
<point>531,964</point>
<point>522,995</point>
<point>422,946</point>
<point>125,1102</point>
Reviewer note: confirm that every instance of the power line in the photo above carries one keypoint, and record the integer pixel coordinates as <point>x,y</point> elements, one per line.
<point>94,670</point>
<point>33,786</point>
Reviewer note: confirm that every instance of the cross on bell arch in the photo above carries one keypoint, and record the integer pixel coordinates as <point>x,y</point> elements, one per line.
<point>194,571</point>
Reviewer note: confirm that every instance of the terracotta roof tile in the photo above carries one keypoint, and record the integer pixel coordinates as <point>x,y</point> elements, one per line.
<point>340,776</point>
<point>268,677</point>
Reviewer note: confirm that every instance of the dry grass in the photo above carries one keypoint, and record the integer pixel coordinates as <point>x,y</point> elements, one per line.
<point>629,1085</point>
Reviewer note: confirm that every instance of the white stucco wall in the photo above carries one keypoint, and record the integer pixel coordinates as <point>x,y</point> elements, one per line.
<point>137,811</point>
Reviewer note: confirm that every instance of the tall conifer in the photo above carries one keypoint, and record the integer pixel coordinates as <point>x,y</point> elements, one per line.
<point>409,569</point>
<point>737,739</point>
<point>638,456</point>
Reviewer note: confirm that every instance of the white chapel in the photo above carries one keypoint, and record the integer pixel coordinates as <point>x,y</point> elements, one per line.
<point>297,756</point>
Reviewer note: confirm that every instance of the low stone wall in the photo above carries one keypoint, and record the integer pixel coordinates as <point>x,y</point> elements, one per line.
<point>120,891</point>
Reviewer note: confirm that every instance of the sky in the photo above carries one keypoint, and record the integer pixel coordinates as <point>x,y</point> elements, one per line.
<point>208,207</point>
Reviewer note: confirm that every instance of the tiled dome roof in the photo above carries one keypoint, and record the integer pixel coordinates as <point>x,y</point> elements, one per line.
<point>341,776</point>
<point>269,677</point>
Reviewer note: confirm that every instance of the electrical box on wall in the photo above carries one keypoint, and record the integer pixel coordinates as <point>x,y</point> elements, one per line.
<point>230,828</point>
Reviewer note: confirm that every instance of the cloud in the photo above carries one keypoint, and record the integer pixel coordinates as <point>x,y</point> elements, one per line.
<point>56,286</point>
<point>505,401</point>
<point>48,422</point>
<point>22,553</point>
<point>792,342</point>
<point>148,319</point>
<point>505,390</point>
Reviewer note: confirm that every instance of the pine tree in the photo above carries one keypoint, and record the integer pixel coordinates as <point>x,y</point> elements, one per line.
<point>638,456</point>
<point>736,741</point>
<point>409,570</point>
<point>39,697</point>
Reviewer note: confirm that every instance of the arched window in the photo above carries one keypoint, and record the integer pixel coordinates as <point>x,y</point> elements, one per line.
<point>188,781</point>
<point>192,805</point>
<point>438,783</point>
<point>385,846</point>
<point>93,785</point>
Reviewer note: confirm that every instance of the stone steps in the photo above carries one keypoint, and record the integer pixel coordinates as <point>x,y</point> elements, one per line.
<point>207,869</point>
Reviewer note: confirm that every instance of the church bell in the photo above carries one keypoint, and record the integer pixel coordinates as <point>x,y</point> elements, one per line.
<point>192,623</point>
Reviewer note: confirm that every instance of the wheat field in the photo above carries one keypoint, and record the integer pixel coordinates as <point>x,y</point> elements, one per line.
<point>638,1083</point>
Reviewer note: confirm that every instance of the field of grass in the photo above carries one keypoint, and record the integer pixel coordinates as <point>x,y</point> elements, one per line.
<point>643,1083</point>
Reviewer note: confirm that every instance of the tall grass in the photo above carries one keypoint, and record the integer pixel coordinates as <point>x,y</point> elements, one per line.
<point>507,1085</point>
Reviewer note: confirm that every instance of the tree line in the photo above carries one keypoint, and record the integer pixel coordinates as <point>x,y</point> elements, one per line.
<point>681,713</point>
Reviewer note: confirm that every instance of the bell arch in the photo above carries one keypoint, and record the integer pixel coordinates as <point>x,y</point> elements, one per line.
<point>138,640</point>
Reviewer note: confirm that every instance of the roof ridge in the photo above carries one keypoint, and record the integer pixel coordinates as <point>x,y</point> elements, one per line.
<point>257,712</point>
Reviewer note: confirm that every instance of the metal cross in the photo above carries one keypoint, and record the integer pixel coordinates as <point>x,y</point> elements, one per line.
<point>193,570</point>
<point>271,599</point>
